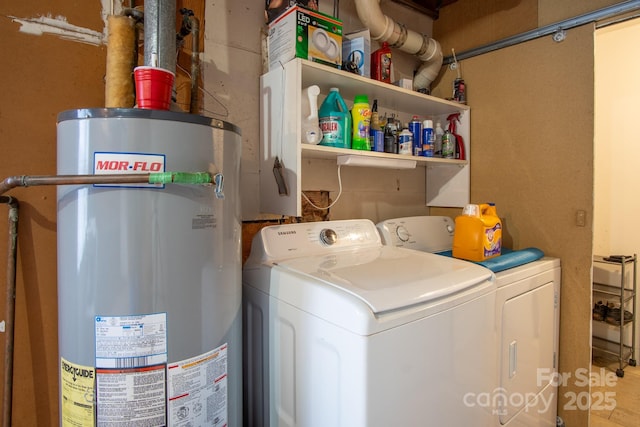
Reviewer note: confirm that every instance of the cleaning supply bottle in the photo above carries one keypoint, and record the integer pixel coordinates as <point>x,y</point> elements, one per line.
<point>311,133</point>
<point>361,120</point>
<point>381,64</point>
<point>437,144</point>
<point>405,141</point>
<point>428,138</point>
<point>415,126</point>
<point>448,145</point>
<point>376,134</point>
<point>478,233</point>
<point>335,120</point>
<point>390,136</point>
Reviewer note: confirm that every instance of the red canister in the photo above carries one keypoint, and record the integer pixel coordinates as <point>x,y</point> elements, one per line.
<point>381,64</point>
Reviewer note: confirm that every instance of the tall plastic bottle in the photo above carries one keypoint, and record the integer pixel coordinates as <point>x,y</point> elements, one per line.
<point>448,145</point>
<point>376,134</point>
<point>311,133</point>
<point>405,141</point>
<point>361,119</point>
<point>335,120</point>
<point>437,144</point>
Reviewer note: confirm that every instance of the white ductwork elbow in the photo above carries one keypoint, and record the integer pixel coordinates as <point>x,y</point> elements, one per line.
<point>384,29</point>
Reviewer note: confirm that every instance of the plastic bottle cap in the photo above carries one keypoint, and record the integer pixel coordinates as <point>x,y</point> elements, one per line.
<point>334,89</point>
<point>428,124</point>
<point>364,99</point>
<point>414,118</point>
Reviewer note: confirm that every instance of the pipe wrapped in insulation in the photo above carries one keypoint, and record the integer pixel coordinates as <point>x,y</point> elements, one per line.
<point>121,58</point>
<point>385,29</point>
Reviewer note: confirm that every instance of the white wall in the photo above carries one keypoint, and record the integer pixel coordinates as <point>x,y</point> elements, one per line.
<point>617,143</point>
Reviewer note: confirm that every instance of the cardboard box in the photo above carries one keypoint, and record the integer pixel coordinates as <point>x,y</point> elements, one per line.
<point>404,83</point>
<point>274,8</point>
<point>307,34</point>
<point>356,51</point>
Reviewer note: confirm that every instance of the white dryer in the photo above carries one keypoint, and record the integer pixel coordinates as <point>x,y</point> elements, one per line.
<point>527,320</point>
<point>341,330</point>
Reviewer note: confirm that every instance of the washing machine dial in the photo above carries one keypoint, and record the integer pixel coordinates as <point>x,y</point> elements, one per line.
<point>402,233</point>
<point>450,228</point>
<point>328,236</point>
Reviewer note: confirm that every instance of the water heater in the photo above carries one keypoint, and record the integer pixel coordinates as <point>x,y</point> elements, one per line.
<point>149,275</point>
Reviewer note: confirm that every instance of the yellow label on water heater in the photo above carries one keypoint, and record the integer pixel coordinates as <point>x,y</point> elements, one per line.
<point>77,394</point>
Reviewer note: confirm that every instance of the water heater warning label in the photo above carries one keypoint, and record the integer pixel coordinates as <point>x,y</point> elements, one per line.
<point>131,397</point>
<point>110,163</point>
<point>197,390</point>
<point>77,383</point>
<point>131,356</point>
<point>131,341</point>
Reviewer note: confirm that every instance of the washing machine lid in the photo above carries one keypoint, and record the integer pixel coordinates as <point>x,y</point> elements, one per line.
<point>389,278</point>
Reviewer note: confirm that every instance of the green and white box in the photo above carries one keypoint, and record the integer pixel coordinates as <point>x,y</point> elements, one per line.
<point>307,34</point>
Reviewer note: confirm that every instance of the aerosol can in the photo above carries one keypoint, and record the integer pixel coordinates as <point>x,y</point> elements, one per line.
<point>459,86</point>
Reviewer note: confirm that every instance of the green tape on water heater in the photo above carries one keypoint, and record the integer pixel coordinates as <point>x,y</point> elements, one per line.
<point>180,178</point>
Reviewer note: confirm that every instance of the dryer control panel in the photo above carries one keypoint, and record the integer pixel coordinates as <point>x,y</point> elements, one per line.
<point>424,233</point>
<point>313,238</point>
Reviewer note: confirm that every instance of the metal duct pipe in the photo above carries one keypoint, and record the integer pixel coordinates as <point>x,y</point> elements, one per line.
<point>385,29</point>
<point>195,64</point>
<point>160,34</point>
<point>10,309</point>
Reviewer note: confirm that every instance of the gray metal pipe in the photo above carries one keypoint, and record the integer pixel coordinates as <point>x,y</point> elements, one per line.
<point>10,309</point>
<point>195,64</point>
<point>160,34</point>
<point>29,181</point>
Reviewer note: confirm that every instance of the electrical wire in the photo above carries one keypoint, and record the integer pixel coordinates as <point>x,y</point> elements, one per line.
<point>337,197</point>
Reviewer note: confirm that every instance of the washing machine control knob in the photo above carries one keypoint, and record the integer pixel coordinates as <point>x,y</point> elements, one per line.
<point>450,228</point>
<point>402,233</point>
<point>328,236</point>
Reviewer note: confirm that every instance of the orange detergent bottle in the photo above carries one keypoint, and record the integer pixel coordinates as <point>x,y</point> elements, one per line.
<point>478,233</point>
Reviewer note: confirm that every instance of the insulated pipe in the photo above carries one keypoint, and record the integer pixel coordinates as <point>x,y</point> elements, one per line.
<point>160,34</point>
<point>385,29</point>
<point>10,304</point>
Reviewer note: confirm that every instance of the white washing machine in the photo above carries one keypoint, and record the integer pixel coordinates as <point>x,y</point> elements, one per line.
<point>341,330</point>
<point>526,320</point>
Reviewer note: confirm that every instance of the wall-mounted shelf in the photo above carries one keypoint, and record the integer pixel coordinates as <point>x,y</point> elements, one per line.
<point>281,133</point>
<point>323,152</point>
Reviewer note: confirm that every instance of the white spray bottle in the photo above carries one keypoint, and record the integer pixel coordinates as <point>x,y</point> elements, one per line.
<point>311,133</point>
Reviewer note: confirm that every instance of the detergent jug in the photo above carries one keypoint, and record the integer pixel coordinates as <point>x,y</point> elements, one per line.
<point>335,120</point>
<point>478,233</point>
